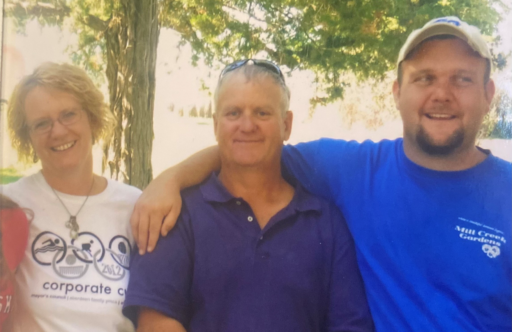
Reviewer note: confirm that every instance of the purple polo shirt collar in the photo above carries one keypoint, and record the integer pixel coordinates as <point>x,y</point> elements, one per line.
<point>214,191</point>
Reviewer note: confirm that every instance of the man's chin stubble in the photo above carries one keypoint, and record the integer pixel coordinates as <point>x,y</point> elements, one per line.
<point>427,145</point>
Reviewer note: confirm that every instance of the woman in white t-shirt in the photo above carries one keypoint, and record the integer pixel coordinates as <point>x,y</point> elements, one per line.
<point>75,268</point>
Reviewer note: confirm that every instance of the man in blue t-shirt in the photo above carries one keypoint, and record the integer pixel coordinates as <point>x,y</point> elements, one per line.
<point>430,214</point>
<point>250,252</point>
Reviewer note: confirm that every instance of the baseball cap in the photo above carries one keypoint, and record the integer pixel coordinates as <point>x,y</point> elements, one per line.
<point>450,25</point>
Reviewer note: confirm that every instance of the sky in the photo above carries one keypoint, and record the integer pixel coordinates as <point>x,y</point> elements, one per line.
<point>179,84</point>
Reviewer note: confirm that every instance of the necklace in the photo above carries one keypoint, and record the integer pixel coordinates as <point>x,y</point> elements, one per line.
<point>71,223</point>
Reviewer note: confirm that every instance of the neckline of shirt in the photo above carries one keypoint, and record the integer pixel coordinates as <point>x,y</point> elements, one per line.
<point>418,170</point>
<point>41,182</point>
<point>213,190</point>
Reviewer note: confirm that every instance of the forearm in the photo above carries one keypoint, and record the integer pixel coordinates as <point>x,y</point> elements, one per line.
<point>192,170</point>
<point>153,321</point>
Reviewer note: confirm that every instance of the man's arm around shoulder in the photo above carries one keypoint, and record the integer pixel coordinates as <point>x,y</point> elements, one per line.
<point>159,206</point>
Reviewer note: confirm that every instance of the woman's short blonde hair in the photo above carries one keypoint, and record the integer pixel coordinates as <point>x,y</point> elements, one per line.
<point>63,77</point>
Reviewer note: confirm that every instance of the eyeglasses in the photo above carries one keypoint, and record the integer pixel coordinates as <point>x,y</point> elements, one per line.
<point>66,118</point>
<point>269,65</point>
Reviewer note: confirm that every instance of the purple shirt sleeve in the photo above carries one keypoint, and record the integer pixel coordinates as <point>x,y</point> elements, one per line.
<point>161,280</point>
<point>348,306</point>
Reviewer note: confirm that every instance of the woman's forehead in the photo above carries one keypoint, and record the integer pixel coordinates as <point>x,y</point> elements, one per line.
<point>48,101</point>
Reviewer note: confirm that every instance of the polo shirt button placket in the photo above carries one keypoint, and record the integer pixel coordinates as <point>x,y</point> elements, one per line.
<point>250,218</point>
<point>238,203</point>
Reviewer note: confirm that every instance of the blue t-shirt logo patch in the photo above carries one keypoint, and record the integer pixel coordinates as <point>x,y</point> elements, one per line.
<point>491,251</point>
<point>491,238</point>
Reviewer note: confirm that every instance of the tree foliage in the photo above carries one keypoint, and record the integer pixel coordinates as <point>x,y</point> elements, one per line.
<point>329,37</point>
<point>498,122</point>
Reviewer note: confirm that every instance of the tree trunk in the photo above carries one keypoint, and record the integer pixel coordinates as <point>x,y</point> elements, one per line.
<point>131,46</point>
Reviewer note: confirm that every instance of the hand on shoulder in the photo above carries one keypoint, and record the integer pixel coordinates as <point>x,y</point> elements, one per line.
<point>155,213</point>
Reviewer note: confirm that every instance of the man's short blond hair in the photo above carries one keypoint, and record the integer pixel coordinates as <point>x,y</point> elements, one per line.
<point>253,72</point>
<point>63,77</point>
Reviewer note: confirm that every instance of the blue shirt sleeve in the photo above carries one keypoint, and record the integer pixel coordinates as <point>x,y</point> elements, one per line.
<point>348,306</point>
<point>161,280</point>
<point>330,167</point>
<point>317,165</point>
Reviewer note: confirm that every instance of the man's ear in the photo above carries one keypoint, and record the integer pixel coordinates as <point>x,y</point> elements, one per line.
<point>396,93</point>
<point>288,122</point>
<point>490,90</point>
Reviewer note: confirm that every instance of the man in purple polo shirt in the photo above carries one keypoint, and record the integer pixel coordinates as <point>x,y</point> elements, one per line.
<point>250,252</point>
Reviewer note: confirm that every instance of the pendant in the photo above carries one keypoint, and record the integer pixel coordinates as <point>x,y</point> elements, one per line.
<point>73,226</point>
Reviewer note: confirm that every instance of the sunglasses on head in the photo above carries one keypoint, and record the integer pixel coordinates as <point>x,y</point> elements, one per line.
<point>269,65</point>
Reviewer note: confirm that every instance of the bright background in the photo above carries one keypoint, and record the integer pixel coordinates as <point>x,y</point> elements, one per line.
<point>180,84</point>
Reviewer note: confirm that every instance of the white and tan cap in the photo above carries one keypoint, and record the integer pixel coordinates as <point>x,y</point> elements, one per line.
<point>449,25</point>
